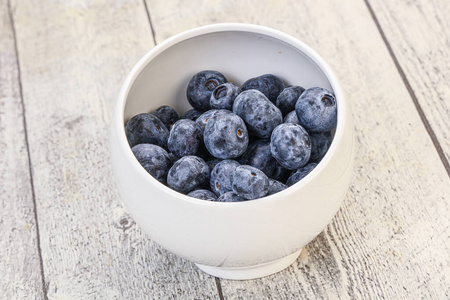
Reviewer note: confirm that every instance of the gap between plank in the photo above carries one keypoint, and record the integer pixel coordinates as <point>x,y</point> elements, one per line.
<point>419,109</point>
<point>219,288</point>
<point>150,21</point>
<point>33,195</point>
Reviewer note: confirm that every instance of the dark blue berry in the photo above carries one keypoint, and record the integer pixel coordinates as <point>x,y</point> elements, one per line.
<point>300,174</point>
<point>167,115</point>
<point>207,115</point>
<point>258,155</point>
<point>290,145</point>
<point>173,158</point>
<point>320,142</point>
<point>260,115</point>
<point>154,159</point>
<point>317,110</point>
<point>223,96</point>
<point>249,182</point>
<point>288,97</point>
<point>191,114</point>
<point>203,195</point>
<point>212,163</point>
<point>270,85</point>
<point>291,118</point>
<point>226,136</point>
<point>146,129</point>
<point>184,138</point>
<point>280,173</point>
<point>187,174</point>
<point>275,187</point>
<point>221,176</point>
<point>201,86</point>
<point>230,197</point>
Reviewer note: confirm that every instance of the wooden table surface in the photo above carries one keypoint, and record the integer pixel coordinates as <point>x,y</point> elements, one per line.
<point>64,233</point>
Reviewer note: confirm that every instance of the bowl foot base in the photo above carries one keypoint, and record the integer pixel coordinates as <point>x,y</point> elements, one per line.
<point>252,272</point>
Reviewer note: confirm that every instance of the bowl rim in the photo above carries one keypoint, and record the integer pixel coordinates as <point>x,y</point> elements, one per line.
<point>118,123</point>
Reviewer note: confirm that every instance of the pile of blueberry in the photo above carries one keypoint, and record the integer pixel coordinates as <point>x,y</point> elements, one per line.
<point>237,143</point>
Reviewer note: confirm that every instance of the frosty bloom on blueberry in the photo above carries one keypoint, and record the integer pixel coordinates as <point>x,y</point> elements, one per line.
<point>260,115</point>
<point>221,176</point>
<point>187,174</point>
<point>167,115</point>
<point>230,197</point>
<point>288,97</point>
<point>258,155</point>
<point>249,182</point>
<point>290,145</point>
<point>223,95</point>
<point>154,159</point>
<point>146,128</point>
<point>201,86</point>
<point>206,116</point>
<point>300,174</point>
<point>225,136</point>
<point>203,194</point>
<point>184,138</point>
<point>268,84</point>
<point>316,110</point>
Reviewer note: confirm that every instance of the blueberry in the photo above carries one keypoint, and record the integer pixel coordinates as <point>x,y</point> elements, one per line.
<point>280,173</point>
<point>173,158</point>
<point>290,145</point>
<point>320,142</point>
<point>167,115</point>
<point>291,118</point>
<point>223,95</point>
<point>275,187</point>
<point>203,195</point>
<point>230,197</point>
<point>260,115</point>
<point>316,110</point>
<point>187,174</point>
<point>206,116</point>
<point>258,155</point>
<point>249,182</point>
<point>203,153</point>
<point>300,174</point>
<point>184,138</point>
<point>191,114</point>
<point>146,129</point>
<point>154,159</point>
<point>226,136</point>
<point>212,163</point>
<point>221,176</point>
<point>288,97</point>
<point>270,85</point>
<point>201,86</point>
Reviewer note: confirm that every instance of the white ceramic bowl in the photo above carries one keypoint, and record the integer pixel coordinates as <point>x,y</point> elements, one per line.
<point>239,240</point>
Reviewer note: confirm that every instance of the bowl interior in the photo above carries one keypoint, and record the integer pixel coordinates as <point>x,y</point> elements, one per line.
<point>239,55</point>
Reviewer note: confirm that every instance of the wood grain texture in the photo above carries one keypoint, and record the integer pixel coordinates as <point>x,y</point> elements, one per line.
<point>74,58</point>
<point>20,271</point>
<point>418,32</point>
<point>390,240</point>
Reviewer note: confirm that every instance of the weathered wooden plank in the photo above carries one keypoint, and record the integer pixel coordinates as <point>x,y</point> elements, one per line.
<point>391,237</point>
<point>74,57</point>
<point>20,269</point>
<point>417,31</point>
